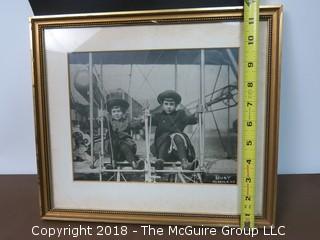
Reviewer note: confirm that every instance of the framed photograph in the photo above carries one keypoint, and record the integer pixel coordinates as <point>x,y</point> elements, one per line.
<point>139,114</point>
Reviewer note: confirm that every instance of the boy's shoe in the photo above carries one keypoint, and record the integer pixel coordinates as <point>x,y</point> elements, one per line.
<point>108,166</point>
<point>159,164</point>
<point>189,165</point>
<point>140,164</point>
<point>134,164</point>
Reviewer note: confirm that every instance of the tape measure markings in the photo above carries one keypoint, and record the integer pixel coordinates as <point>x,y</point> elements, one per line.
<point>249,125</point>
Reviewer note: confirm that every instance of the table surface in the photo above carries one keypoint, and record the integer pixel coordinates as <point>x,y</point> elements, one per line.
<point>298,209</point>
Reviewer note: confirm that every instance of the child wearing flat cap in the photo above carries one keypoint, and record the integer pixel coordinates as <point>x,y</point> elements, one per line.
<point>171,143</point>
<point>122,144</point>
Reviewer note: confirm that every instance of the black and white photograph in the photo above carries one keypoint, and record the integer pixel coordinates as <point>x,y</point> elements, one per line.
<point>141,116</point>
<point>159,116</point>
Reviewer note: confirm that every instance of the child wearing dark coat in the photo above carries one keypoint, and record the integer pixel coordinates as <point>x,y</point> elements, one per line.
<point>122,146</point>
<point>170,142</point>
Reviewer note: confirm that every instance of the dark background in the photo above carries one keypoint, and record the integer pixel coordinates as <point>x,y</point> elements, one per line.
<point>46,7</point>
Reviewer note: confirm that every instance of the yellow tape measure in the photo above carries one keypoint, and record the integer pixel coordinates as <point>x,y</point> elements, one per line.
<point>250,67</point>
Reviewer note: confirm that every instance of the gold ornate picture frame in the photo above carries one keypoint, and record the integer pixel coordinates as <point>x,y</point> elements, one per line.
<point>79,64</point>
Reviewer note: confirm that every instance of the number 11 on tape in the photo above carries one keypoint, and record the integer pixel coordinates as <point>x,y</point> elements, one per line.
<point>249,118</point>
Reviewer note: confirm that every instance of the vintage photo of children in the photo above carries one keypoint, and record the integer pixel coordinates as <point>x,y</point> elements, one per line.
<point>158,116</point>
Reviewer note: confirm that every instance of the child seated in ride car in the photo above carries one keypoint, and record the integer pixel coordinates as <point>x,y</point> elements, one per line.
<point>122,146</point>
<point>170,142</point>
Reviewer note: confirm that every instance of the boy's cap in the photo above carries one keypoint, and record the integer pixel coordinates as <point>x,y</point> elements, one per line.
<point>170,95</point>
<point>117,102</point>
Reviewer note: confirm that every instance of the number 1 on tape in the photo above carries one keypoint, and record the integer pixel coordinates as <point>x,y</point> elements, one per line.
<point>249,118</point>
